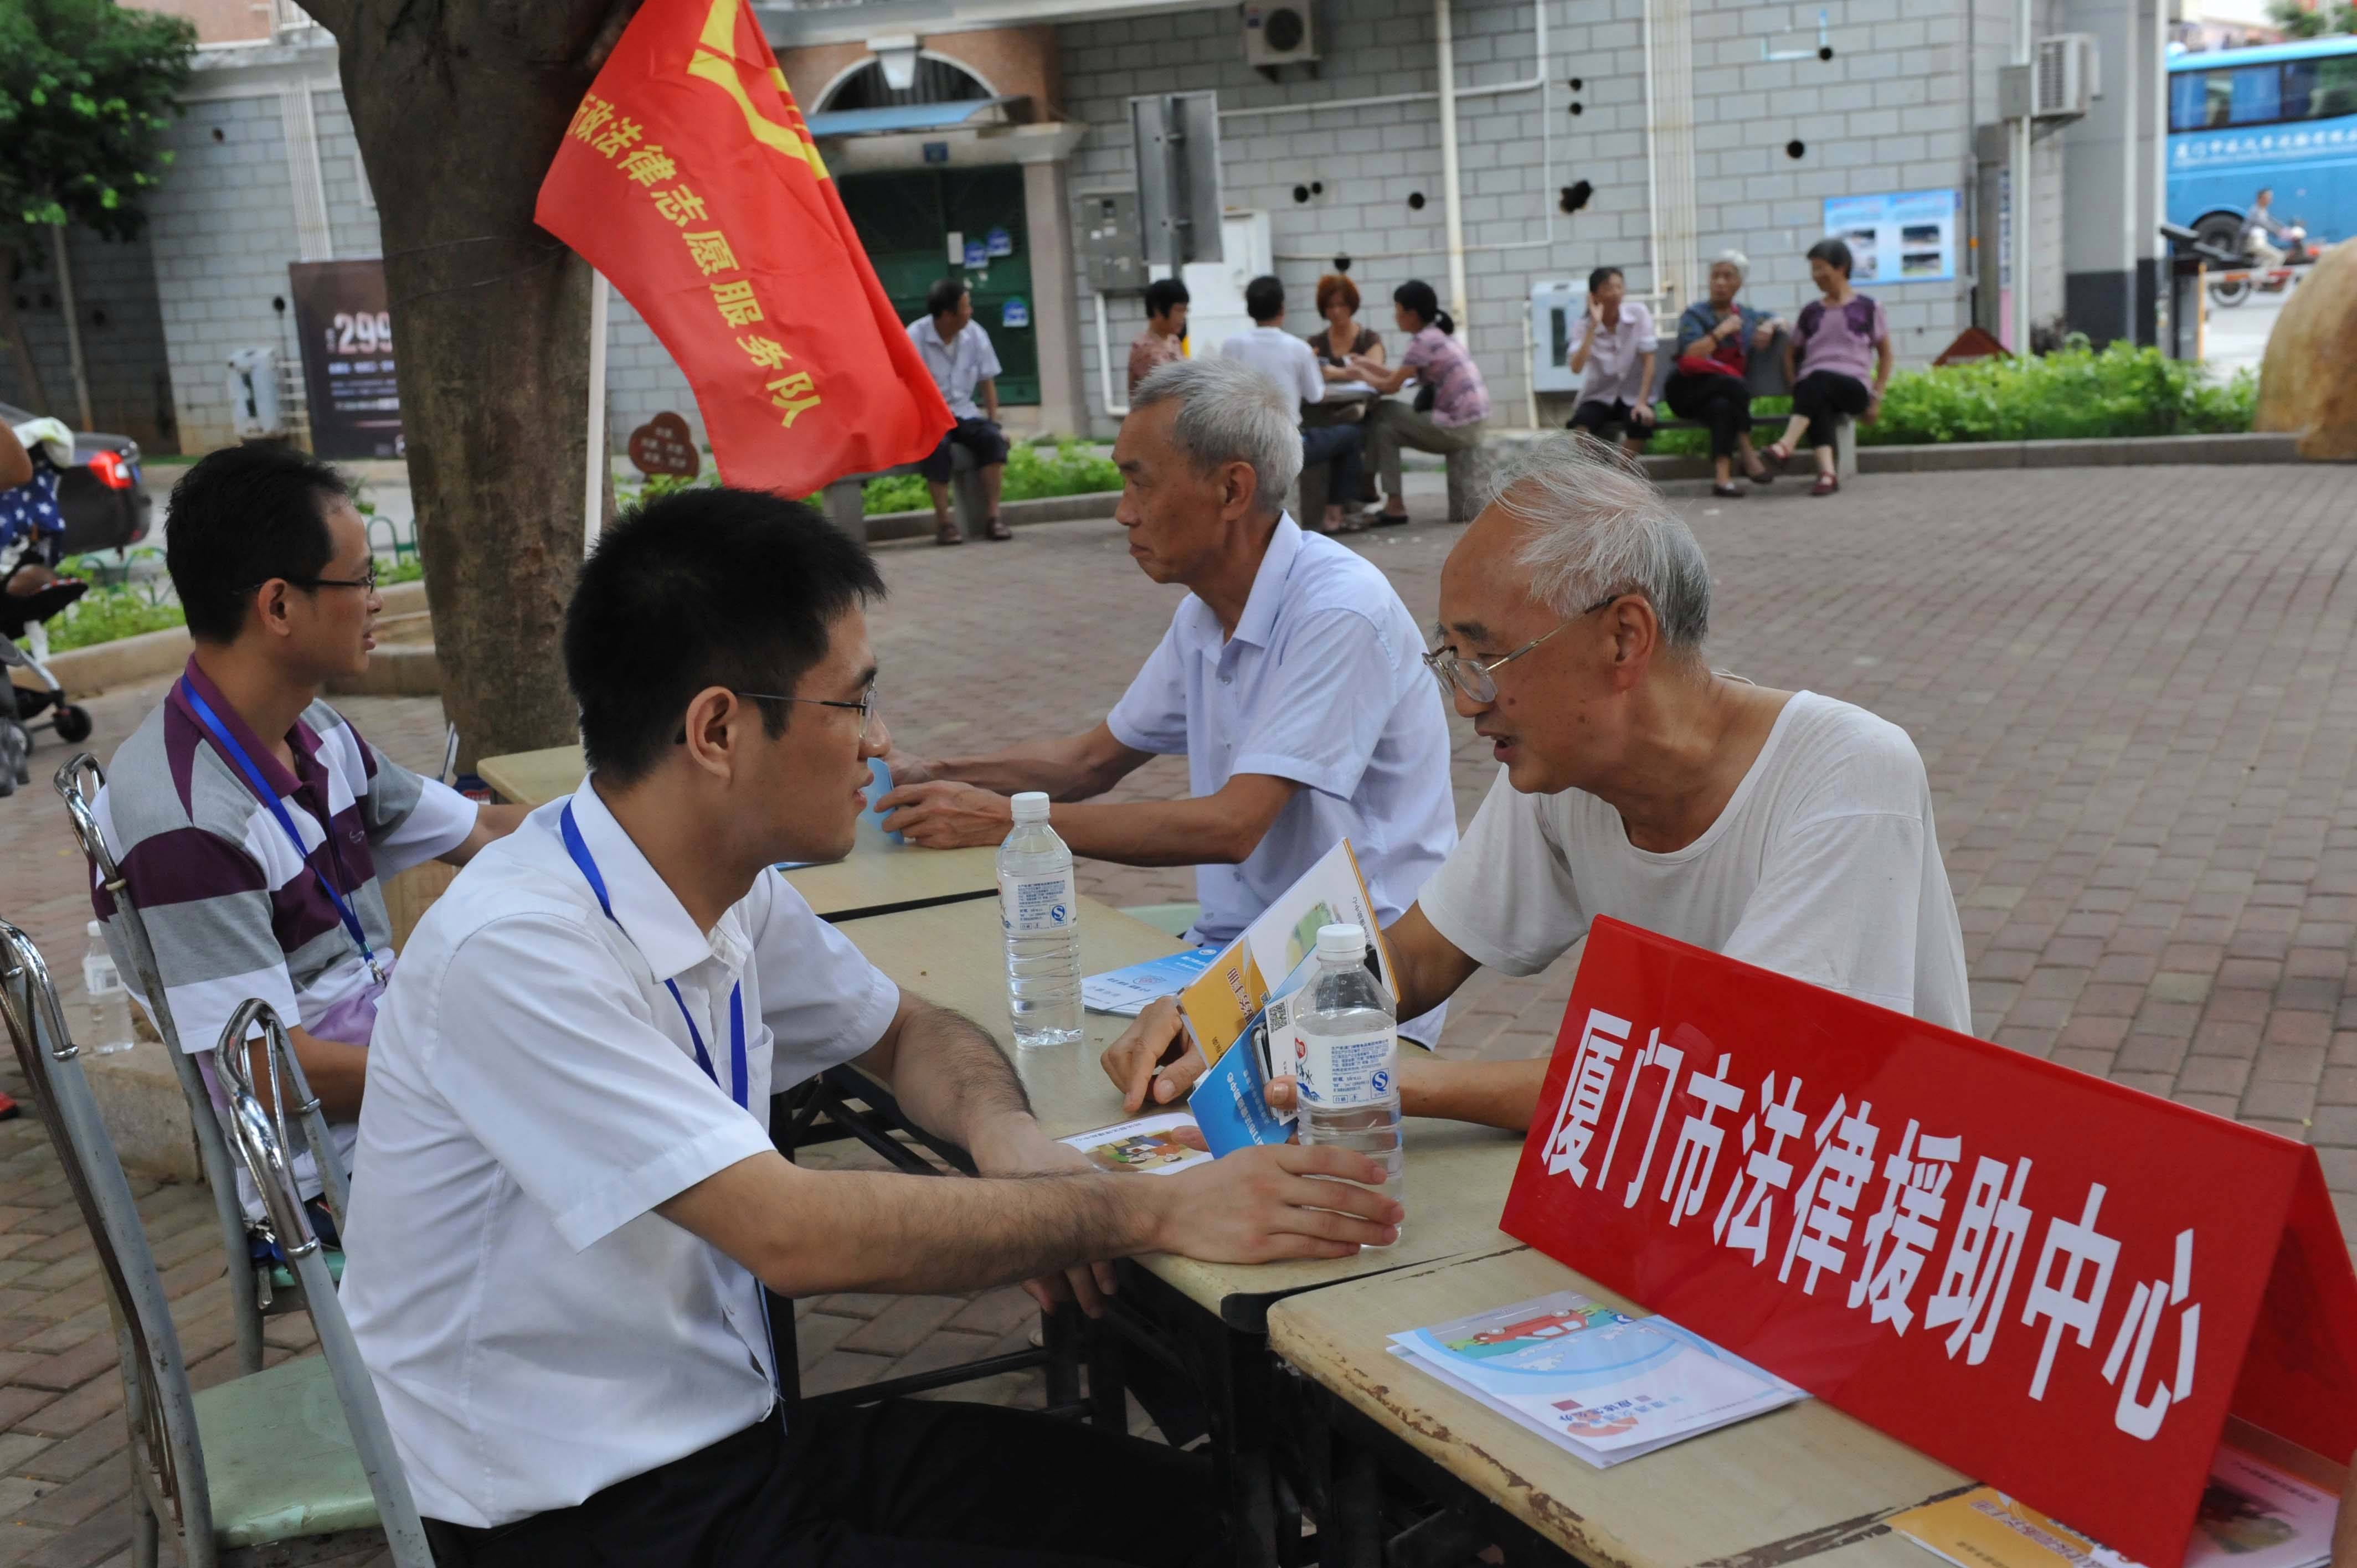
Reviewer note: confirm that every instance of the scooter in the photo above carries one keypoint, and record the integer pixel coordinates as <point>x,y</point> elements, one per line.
<point>2236,287</point>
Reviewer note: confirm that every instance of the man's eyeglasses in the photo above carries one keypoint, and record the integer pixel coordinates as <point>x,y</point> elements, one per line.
<point>1474,678</point>
<point>367,583</point>
<point>866,707</point>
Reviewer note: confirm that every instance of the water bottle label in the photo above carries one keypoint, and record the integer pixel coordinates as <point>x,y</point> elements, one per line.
<point>1347,1069</point>
<point>1037,905</point>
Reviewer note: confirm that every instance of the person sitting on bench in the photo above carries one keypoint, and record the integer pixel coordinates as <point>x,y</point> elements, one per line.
<point>1615,357</point>
<point>1827,362</point>
<point>958,353</point>
<point>1717,337</point>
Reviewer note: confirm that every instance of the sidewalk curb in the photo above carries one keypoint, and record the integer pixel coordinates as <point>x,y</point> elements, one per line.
<point>1946,457</point>
<point>886,526</point>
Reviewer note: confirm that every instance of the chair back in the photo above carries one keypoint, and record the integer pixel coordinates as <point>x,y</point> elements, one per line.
<point>78,783</point>
<point>259,1128</point>
<point>157,1397</point>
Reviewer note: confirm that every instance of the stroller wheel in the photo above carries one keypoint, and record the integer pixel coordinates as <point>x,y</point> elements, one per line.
<point>72,723</point>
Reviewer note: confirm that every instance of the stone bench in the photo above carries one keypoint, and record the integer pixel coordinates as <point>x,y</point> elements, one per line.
<point>846,509</point>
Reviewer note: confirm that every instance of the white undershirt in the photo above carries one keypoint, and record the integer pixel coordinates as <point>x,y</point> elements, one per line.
<point>1825,867</point>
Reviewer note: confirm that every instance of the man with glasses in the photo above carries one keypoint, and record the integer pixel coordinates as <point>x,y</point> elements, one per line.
<point>1785,828</point>
<point>1287,678</point>
<point>252,822</point>
<point>567,1205</point>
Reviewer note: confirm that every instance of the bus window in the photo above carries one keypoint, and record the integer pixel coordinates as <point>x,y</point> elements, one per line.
<point>2320,89</point>
<point>2257,95</point>
<point>2188,110</point>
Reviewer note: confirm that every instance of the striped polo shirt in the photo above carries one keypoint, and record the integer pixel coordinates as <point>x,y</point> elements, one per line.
<point>232,910</point>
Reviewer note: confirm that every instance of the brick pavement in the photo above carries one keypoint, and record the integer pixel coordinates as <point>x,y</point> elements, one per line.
<point>2140,726</point>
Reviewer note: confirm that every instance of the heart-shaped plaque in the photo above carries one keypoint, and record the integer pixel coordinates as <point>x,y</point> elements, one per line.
<point>664,445</point>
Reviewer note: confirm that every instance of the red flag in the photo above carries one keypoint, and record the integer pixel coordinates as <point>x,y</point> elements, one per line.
<point>689,178</point>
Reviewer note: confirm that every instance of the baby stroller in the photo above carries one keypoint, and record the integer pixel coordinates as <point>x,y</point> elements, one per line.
<point>31,538</point>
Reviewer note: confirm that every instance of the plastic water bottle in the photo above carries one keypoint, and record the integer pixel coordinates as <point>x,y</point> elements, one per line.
<point>110,1002</point>
<point>1350,1058</point>
<point>1042,919</point>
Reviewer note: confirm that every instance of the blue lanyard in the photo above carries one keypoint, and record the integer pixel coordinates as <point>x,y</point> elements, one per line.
<point>739,1083</point>
<point>237,754</point>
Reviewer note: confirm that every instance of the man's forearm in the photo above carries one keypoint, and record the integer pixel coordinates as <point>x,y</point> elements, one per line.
<point>1199,830</point>
<point>1061,767</point>
<point>1495,1094</point>
<point>952,1079</point>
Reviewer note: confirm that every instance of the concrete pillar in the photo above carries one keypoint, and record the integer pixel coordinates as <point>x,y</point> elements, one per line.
<point>1055,312</point>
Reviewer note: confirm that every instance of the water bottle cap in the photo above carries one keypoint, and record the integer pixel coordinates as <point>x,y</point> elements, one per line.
<point>1031,805</point>
<point>1348,943</point>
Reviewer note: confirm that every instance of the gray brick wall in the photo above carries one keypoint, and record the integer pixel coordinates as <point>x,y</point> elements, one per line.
<point>1888,112</point>
<point>122,339</point>
<point>223,232</point>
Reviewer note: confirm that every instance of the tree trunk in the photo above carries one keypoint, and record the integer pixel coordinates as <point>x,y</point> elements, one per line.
<point>459,106</point>
<point>28,374</point>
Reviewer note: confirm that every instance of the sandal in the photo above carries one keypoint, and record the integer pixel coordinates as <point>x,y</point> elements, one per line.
<point>1763,475</point>
<point>949,533</point>
<point>996,529</point>
<point>1776,456</point>
<point>1827,485</point>
<point>1388,520</point>
<point>1727,492</point>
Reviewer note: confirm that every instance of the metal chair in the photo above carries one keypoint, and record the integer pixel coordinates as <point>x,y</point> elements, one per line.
<point>290,1465</point>
<point>256,1290</point>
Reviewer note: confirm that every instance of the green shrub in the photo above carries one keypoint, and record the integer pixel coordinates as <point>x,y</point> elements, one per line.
<point>102,615</point>
<point>2075,392</point>
<point>1033,472</point>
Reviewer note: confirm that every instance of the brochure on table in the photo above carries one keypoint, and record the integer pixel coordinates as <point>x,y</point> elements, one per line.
<point>1127,992</point>
<point>1596,1382</point>
<point>2253,1516</point>
<point>1147,1144</point>
<point>1234,1000</point>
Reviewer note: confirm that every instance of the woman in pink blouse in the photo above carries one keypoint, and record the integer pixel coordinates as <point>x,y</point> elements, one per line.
<point>1450,408</point>
<point>1827,362</point>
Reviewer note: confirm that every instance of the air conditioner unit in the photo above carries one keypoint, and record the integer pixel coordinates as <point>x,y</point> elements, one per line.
<point>1280,34</point>
<point>2065,77</point>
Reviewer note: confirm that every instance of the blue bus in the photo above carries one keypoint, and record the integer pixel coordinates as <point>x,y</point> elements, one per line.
<point>2283,116</point>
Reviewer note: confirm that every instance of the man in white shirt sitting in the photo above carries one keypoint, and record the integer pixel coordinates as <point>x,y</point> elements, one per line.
<point>1785,828</point>
<point>567,1201</point>
<point>1290,680</point>
<point>1292,364</point>
<point>963,363</point>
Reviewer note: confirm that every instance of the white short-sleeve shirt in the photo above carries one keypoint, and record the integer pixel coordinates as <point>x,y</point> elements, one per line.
<point>1323,683</point>
<point>1825,867</point>
<point>536,1331</point>
<point>1287,360</point>
<point>960,365</point>
<point>1617,355</point>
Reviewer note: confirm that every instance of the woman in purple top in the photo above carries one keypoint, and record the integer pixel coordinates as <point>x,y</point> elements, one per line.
<point>1450,408</point>
<point>1827,362</point>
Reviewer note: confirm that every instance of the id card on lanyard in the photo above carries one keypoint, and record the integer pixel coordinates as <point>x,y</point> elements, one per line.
<point>236,753</point>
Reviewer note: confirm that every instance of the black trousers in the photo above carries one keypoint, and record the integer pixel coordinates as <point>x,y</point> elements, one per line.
<point>1722,403</point>
<point>1821,394</point>
<point>979,436</point>
<point>1342,448</point>
<point>1604,420</point>
<point>905,1483</point>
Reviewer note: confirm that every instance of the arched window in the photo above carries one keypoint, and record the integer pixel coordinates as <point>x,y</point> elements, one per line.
<point>938,80</point>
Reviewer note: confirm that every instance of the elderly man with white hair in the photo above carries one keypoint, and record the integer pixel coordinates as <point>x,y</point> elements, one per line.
<point>1785,828</point>
<point>1288,679</point>
<point>1717,337</point>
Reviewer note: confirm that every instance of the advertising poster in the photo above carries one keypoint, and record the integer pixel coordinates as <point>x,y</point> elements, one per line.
<point>1908,236</point>
<point>346,330</point>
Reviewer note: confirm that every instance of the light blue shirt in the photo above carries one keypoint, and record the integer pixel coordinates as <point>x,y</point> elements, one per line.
<point>959,365</point>
<point>1323,683</point>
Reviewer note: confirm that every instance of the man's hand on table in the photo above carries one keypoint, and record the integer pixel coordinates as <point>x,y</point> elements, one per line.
<point>1154,1061</point>
<point>1015,1146</point>
<point>906,767</point>
<point>1264,1204</point>
<point>940,815</point>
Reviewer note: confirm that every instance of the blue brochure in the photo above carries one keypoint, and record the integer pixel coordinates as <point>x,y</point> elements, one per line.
<point>1231,1099</point>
